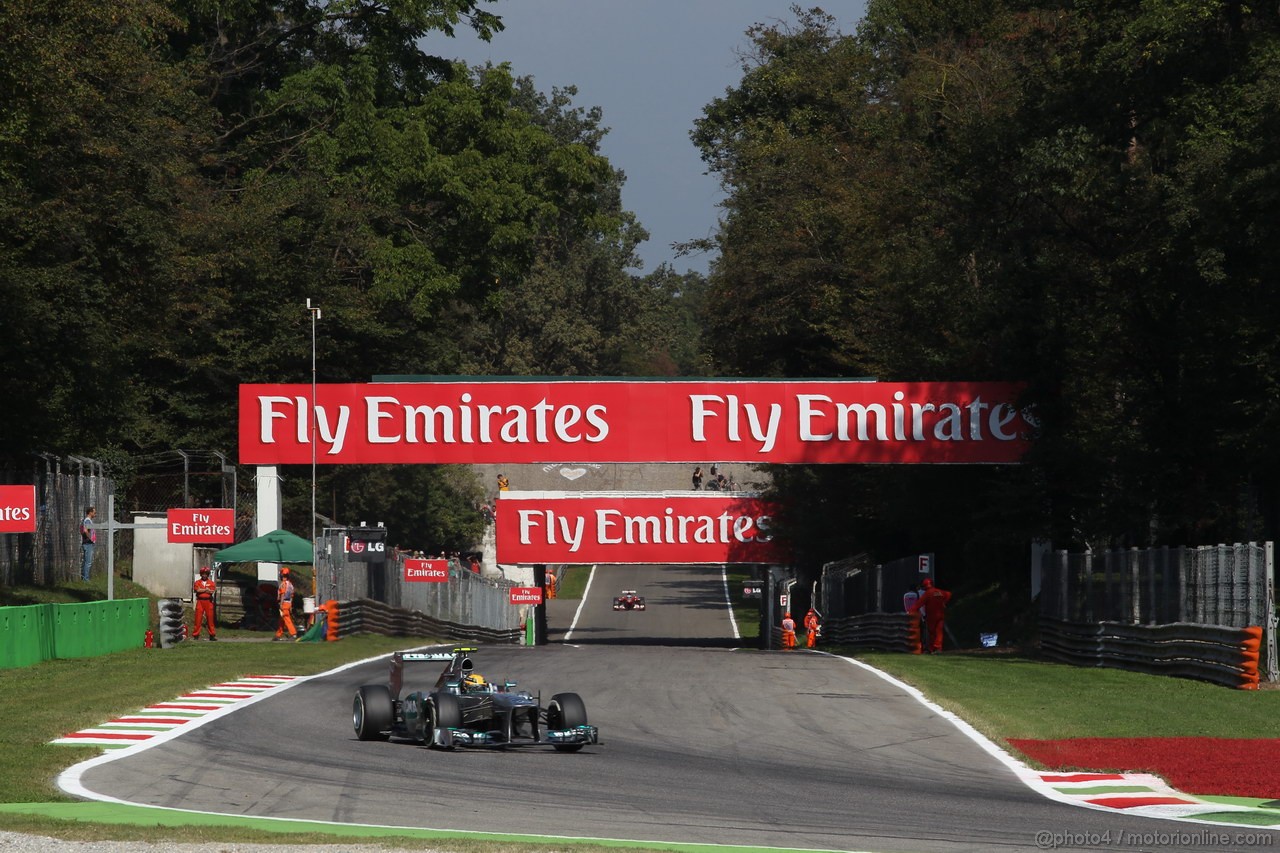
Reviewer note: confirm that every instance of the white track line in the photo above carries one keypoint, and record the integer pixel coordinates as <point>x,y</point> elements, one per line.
<point>581,603</point>
<point>728,602</point>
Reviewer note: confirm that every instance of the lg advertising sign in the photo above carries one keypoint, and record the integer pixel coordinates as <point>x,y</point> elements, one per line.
<point>703,527</point>
<point>366,544</point>
<point>364,551</point>
<point>528,421</point>
<point>196,526</point>
<point>17,509</point>
<point>428,571</point>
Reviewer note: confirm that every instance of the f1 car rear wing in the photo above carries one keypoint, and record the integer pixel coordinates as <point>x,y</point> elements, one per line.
<point>458,662</point>
<point>412,656</point>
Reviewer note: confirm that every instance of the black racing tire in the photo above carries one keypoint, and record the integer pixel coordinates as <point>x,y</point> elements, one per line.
<point>372,712</point>
<point>444,711</point>
<point>565,711</point>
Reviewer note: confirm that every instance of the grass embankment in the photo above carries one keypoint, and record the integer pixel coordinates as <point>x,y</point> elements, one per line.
<point>1006,696</point>
<point>573,582</point>
<point>746,611</point>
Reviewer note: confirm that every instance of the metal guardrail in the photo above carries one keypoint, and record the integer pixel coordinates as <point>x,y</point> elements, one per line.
<point>366,616</point>
<point>1213,653</point>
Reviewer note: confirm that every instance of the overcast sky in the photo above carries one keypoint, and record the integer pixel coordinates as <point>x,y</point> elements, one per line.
<point>652,66</point>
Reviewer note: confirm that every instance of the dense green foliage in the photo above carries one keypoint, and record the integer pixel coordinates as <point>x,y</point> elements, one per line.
<point>1077,195</point>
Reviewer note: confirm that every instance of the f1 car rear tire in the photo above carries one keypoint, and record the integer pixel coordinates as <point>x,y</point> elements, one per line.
<point>372,712</point>
<point>444,711</point>
<point>566,711</point>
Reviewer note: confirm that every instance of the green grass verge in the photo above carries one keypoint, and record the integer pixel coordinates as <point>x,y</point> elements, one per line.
<point>746,611</point>
<point>573,582</point>
<point>1008,696</point>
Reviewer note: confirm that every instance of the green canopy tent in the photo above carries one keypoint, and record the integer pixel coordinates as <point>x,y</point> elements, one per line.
<point>278,546</point>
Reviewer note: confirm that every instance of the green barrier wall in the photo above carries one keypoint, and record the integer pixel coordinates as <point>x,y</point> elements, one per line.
<point>41,632</point>
<point>26,635</point>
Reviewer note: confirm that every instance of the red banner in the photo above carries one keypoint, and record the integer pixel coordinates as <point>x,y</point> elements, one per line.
<point>17,509</point>
<point>430,571</point>
<point>702,527</point>
<point>693,421</point>
<point>526,595</point>
<point>212,526</point>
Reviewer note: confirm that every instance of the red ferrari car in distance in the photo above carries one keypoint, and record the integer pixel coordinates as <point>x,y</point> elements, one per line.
<point>629,601</point>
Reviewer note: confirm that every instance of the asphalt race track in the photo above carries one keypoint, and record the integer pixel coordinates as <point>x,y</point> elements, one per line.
<point>702,743</point>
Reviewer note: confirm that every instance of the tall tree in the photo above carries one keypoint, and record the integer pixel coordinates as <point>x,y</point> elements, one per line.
<point>1072,194</point>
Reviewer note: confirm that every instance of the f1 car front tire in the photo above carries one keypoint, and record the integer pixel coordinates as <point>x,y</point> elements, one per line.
<point>566,711</point>
<point>372,712</point>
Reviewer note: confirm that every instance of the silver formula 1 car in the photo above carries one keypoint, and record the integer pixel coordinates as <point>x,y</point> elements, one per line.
<point>463,709</point>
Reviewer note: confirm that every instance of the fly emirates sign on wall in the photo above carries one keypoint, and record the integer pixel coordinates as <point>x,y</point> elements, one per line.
<point>693,421</point>
<point>604,527</point>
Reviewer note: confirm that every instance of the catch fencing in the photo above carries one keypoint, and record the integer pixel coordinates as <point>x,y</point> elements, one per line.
<point>465,599</point>
<point>1089,601</point>
<point>855,586</point>
<point>65,487</point>
<point>861,603</point>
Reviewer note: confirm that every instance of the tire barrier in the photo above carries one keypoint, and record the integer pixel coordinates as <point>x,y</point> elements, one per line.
<point>892,632</point>
<point>1213,653</point>
<point>173,626</point>
<point>366,616</point>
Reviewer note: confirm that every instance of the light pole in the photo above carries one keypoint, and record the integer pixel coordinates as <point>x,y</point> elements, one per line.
<point>315,550</point>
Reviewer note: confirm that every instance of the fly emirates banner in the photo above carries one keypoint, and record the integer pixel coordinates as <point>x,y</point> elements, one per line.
<point>692,421</point>
<point>600,527</point>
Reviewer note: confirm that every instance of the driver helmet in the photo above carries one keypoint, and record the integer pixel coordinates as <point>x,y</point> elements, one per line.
<point>473,681</point>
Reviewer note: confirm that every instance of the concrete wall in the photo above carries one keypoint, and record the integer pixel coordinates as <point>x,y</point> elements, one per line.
<point>164,568</point>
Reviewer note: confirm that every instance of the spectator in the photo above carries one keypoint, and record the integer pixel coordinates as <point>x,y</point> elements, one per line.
<point>88,538</point>
<point>697,478</point>
<point>504,484</point>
